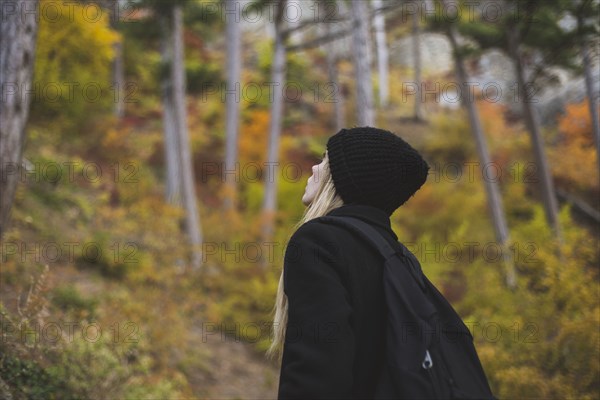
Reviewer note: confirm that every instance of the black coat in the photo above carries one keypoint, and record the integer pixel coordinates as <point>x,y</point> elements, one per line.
<point>334,345</point>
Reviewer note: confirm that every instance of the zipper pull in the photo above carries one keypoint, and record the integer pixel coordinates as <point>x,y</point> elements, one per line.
<point>428,362</point>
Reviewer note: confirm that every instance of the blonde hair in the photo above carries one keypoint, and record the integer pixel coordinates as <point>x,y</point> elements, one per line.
<point>326,199</point>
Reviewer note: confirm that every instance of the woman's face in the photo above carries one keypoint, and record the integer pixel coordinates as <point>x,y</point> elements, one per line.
<point>313,182</point>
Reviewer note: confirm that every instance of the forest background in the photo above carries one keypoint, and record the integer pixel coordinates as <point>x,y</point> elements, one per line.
<point>154,155</point>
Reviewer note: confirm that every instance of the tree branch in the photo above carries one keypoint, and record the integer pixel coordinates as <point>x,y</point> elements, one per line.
<point>346,17</point>
<point>320,40</point>
<point>579,204</point>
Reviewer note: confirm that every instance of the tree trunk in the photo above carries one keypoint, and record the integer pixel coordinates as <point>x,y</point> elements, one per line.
<point>492,190</point>
<point>533,126</point>
<point>18,34</point>
<point>416,41</point>
<point>173,177</point>
<point>382,53</point>
<point>187,168</point>
<point>332,70</point>
<point>278,68</point>
<point>234,66</point>
<point>592,97</point>
<point>362,64</point>
<point>118,69</point>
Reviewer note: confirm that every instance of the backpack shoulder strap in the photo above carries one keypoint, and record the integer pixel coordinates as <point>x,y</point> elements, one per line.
<point>364,230</point>
<point>375,239</point>
<point>407,303</point>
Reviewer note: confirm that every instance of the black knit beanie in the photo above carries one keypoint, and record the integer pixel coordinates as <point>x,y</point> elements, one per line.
<point>375,167</point>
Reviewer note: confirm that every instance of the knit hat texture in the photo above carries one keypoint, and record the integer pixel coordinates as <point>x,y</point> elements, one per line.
<point>375,167</point>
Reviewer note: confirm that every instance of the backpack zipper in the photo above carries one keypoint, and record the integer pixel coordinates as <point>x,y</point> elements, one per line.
<point>427,365</point>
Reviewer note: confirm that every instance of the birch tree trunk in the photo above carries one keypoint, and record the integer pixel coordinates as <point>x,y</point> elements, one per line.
<point>533,126</point>
<point>118,67</point>
<point>416,41</point>
<point>492,190</point>
<point>173,179</point>
<point>18,35</point>
<point>362,64</point>
<point>333,73</point>
<point>278,69</point>
<point>382,53</point>
<point>187,168</point>
<point>234,66</point>
<point>592,97</point>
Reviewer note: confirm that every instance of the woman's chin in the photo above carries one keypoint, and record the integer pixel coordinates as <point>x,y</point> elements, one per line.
<point>305,201</point>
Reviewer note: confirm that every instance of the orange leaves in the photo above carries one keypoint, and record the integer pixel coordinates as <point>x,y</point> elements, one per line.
<point>574,157</point>
<point>253,138</point>
<point>576,124</point>
<point>492,117</point>
<point>506,141</point>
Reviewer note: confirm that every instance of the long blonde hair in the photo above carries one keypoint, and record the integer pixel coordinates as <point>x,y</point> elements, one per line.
<point>326,199</point>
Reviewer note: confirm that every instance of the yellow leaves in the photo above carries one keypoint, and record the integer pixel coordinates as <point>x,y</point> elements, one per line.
<point>112,138</point>
<point>573,342</point>
<point>526,381</point>
<point>74,39</point>
<point>74,51</point>
<point>554,352</point>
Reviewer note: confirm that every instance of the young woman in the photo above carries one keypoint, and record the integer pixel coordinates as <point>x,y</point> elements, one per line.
<point>329,315</point>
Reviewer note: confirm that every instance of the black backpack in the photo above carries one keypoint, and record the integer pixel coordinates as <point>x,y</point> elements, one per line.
<point>430,352</point>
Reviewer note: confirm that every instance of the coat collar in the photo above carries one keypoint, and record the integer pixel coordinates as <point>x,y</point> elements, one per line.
<point>370,214</point>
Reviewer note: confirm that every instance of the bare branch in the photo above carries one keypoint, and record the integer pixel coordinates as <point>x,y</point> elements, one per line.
<point>319,41</point>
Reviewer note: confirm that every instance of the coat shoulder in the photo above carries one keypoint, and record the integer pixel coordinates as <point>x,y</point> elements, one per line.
<point>322,233</point>
<point>318,234</point>
<point>315,228</point>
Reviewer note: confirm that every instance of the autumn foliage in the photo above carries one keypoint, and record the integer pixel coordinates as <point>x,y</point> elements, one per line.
<point>540,341</point>
<point>574,158</point>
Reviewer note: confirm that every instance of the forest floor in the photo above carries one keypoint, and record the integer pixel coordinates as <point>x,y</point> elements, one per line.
<point>231,368</point>
<point>228,368</point>
<point>236,371</point>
